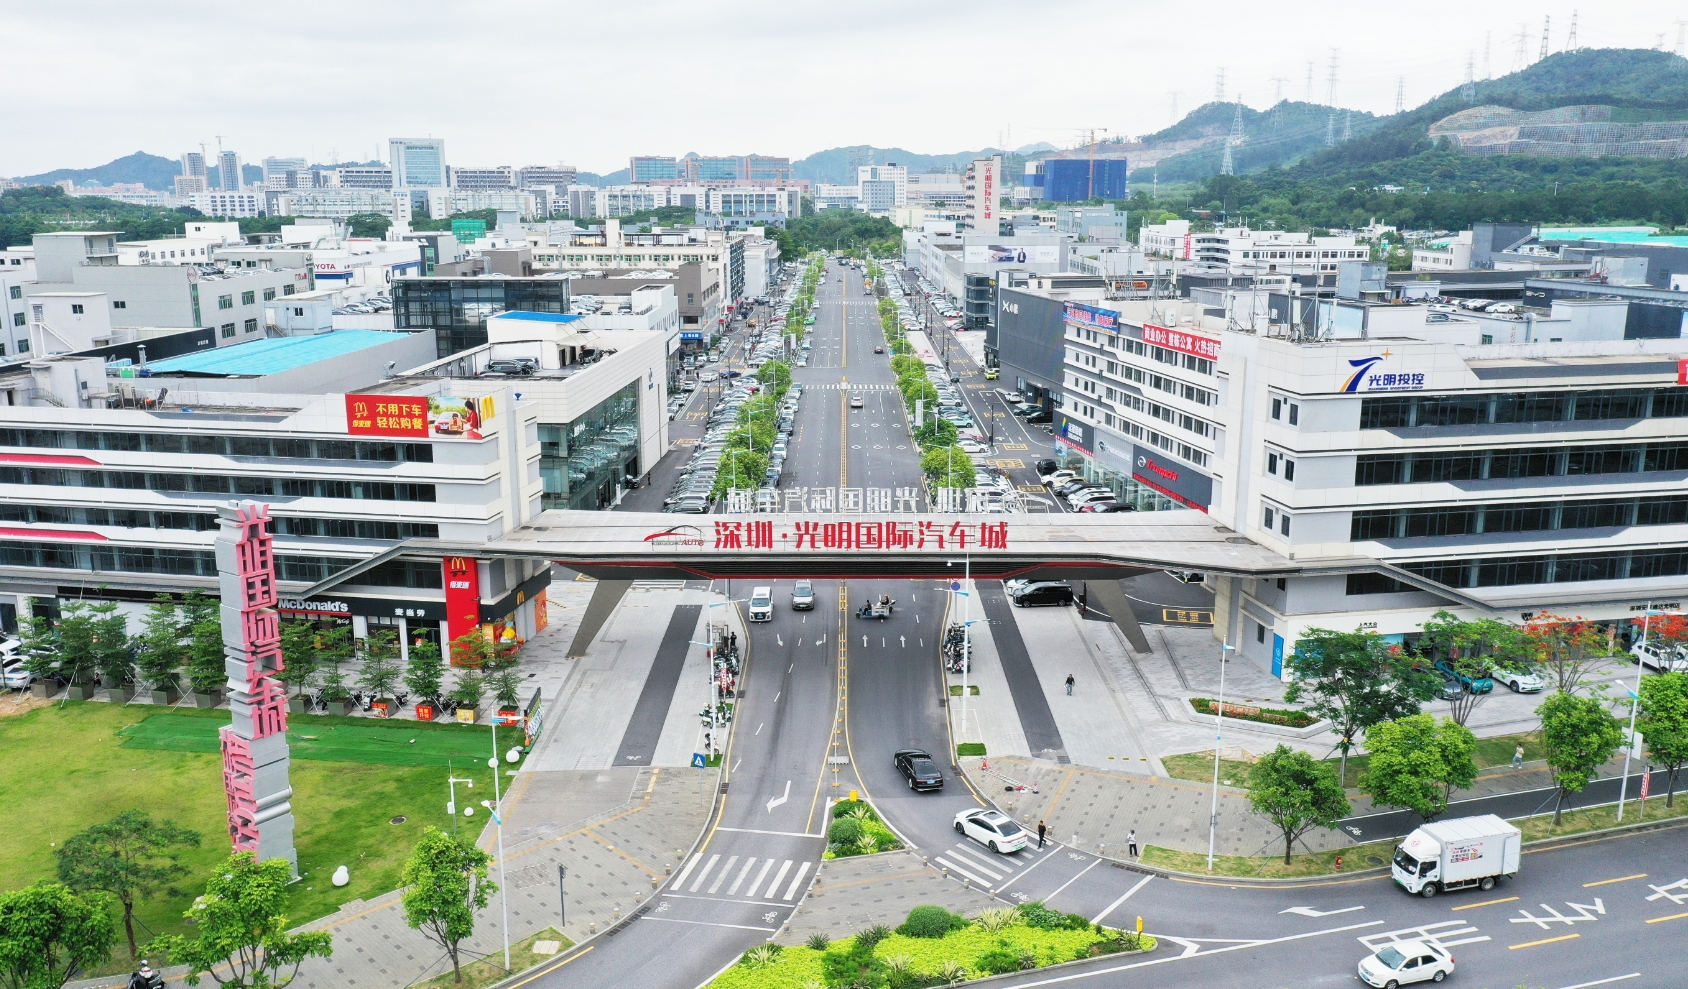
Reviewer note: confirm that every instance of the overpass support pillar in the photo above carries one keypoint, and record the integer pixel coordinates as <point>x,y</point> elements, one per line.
<point>1111,597</point>
<point>605,596</point>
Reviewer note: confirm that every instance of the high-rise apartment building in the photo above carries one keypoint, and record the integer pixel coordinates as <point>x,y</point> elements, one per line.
<point>417,162</point>
<point>365,177</point>
<point>228,171</point>
<point>287,173</point>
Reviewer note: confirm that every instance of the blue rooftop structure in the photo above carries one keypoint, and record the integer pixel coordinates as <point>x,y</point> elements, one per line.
<point>540,317</point>
<point>272,356</point>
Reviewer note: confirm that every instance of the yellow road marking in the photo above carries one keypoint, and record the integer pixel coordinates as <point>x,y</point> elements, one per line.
<point>1485,903</point>
<point>1620,879</point>
<point>1532,944</point>
<point>1674,916</point>
<point>553,968</point>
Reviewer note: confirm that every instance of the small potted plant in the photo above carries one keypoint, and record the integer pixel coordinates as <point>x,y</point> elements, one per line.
<point>470,688</point>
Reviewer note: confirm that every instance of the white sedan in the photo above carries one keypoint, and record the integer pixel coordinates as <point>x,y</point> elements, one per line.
<point>970,446</point>
<point>993,829</point>
<point>1406,961</point>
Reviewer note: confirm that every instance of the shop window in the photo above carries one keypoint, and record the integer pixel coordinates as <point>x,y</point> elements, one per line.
<point>1259,633</point>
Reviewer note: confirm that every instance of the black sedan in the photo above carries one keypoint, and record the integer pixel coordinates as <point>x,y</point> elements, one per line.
<point>918,768</point>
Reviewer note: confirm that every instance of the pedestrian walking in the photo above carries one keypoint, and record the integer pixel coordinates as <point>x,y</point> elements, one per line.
<point>1070,682</point>
<point>1131,843</point>
<point>1041,831</point>
<point>1518,756</point>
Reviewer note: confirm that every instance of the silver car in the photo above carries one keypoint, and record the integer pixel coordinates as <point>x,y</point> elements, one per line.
<point>803,596</point>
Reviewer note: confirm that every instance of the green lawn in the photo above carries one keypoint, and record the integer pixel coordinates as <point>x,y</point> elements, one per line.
<point>1490,752</point>
<point>63,768</point>
<point>479,974</point>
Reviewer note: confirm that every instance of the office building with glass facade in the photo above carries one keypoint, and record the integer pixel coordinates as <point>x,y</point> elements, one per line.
<point>456,309</point>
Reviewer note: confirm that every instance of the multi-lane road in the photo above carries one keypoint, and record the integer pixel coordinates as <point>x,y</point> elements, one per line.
<point>823,684</point>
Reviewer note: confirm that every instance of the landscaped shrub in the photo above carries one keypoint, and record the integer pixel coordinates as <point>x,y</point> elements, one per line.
<point>844,831</point>
<point>873,935</point>
<point>819,942</point>
<point>997,962</point>
<point>844,807</point>
<point>930,921</point>
<point>852,964</point>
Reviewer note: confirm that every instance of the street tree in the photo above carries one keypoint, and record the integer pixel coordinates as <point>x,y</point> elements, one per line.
<point>743,470</point>
<point>1663,722</point>
<point>920,391</point>
<point>160,654</point>
<point>299,655</point>
<point>935,433</point>
<point>382,670</point>
<point>504,676</point>
<point>49,934</point>
<point>241,931</point>
<point>1297,793</point>
<point>110,644</point>
<point>39,643</point>
<point>1567,649</point>
<point>205,669</point>
<point>445,883</point>
<point>948,467</point>
<point>425,675</point>
<point>132,857</point>
<point>1580,735</point>
<point>1417,762</point>
<point>1355,680</point>
<point>1669,634</point>
<point>1475,649</point>
<point>335,648</point>
<point>469,689</point>
<point>776,375</point>
<point>77,661</point>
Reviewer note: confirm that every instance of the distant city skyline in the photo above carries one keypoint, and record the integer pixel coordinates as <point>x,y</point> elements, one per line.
<point>733,78</point>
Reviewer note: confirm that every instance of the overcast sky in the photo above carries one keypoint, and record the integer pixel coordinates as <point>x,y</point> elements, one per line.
<point>516,83</point>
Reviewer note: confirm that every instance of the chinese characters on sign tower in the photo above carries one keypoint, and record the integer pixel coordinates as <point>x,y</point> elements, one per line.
<point>255,760</point>
<point>867,536</point>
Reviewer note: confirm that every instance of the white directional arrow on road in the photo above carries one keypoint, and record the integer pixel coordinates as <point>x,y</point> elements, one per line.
<point>780,800</point>
<point>864,641</point>
<point>779,638</point>
<point>1310,912</point>
<point>904,640</point>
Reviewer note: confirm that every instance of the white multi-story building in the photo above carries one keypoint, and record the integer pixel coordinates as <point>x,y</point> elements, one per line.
<point>340,203</point>
<point>364,177</point>
<point>1453,254</point>
<point>236,204</point>
<point>829,196</point>
<point>444,202</point>
<point>1241,251</point>
<point>983,186</point>
<point>1406,463</point>
<point>500,177</point>
<point>936,190</point>
<point>883,187</point>
<point>287,173</point>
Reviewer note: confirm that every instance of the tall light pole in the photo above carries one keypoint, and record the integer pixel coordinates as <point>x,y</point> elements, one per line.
<point>1634,700</point>
<point>495,806</point>
<point>1218,734</point>
<point>451,808</point>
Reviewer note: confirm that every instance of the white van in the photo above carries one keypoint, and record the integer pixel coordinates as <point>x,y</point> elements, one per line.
<point>762,604</point>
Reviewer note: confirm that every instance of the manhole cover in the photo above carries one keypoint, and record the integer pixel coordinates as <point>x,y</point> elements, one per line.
<point>397,820</point>
<point>1374,860</point>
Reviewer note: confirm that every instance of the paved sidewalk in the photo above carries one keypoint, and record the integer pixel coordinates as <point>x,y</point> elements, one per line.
<point>853,894</point>
<point>991,716</point>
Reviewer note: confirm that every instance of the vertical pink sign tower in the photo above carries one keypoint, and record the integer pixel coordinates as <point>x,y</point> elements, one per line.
<point>255,745</point>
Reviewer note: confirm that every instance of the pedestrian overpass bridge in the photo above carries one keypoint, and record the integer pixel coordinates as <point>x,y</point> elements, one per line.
<point>618,548</point>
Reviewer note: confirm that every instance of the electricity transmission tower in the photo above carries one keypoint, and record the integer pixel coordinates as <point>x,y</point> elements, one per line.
<point>1278,102</point>
<point>1174,94</point>
<point>1330,103</point>
<point>1468,92</point>
<point>1522,37</point>
<point>1348,126</point>
<point>1571,41</point>
<point>1487,36</point>
<point>1309,97</point>
<point>1546,25</point>
<point>1219,87</point>
<point>1228,166</point>
<point>1400,94</point>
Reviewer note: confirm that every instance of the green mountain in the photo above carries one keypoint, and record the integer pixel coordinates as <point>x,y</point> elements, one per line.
<point>155,172</point>
<point>833,164</point>
<point>1279,135</point>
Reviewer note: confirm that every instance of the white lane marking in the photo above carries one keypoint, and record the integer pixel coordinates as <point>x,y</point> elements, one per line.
<point>1310,912</point>
<point>778,696</point>
<point>733,890</point>
<point>779,877</point>
<point>685,871</point>
<point>793,666</point>
<point>956,868</point>
<point>758,730</point>
<point>701,876</point>
<point>786,834</point>
<point>775,802</point>
<point>705,923</point>
<point>1602,982</point>
<point>722,899</point>
<point>736,765</point>
<point>1093,864</point>
<point>1114,905</point>
<point>973,858</point>
<point>780,639</point>
<point>757,882</point>
<point>796,881</point>
<point>721,877</point>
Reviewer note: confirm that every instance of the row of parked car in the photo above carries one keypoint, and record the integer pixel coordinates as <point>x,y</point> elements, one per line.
<point>1079,494</point>
<point>691,492</point>
<point>373,304</point>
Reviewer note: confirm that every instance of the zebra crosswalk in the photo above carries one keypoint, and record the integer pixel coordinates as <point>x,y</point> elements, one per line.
<point>846,386</point>
<point>988,870</point>
<point>712,878</point>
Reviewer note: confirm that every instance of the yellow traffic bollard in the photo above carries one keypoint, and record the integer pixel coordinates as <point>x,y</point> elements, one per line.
<point>852,795</point>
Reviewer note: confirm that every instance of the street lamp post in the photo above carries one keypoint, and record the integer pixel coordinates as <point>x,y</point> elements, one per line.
<point>451,808</point>
<point>495,807</point>
<point>1634,700</point>
<point>1218,734</point>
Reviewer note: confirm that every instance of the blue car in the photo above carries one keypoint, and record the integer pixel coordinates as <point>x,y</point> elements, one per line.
<point>1477,685</point>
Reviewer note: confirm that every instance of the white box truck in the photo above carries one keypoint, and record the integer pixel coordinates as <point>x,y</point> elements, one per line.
<point>1464,853</point>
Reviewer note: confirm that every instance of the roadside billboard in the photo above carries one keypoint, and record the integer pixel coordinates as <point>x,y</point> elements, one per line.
<point>418,416</point>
